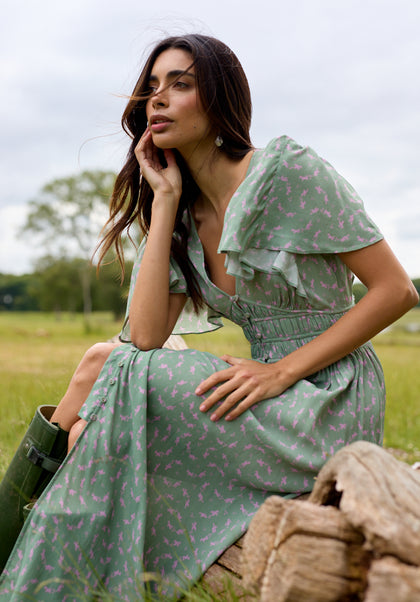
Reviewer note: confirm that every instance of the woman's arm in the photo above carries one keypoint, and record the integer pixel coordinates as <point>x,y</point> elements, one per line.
<point>390,295</point>
<point>153,310</point>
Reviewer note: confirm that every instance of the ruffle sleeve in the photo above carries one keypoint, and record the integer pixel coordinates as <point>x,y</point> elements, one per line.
<point>189,322</point>
<point>294,203</point>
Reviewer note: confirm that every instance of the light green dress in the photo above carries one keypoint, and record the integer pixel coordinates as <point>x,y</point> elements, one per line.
<point>153,484</point>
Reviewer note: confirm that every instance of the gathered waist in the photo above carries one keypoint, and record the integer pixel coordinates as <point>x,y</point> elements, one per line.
<point>289,326</point>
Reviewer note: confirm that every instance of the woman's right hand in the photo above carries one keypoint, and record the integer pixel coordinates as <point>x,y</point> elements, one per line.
<point>164,181</point>
<point>151,323</point>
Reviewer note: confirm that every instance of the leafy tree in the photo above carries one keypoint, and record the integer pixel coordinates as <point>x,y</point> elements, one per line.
<point>57,285</point>
<point>67,218</point>
<point>108,293</point>
<point>15,293</point>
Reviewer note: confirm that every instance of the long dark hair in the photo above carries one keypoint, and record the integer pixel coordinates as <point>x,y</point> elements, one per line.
<point>225,97</point>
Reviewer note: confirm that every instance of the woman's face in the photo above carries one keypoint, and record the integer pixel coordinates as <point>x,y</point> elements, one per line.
<point>174,112</point>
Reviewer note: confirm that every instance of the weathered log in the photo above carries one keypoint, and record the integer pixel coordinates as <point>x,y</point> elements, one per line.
<point>259,541</point>
<point>394,581</point>
<point>337,546</point>
<point>315,554</point>
<point>378,495</point>
<point>224,576</point>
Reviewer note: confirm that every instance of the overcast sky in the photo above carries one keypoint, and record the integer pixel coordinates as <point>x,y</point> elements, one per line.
<point>340,76</point>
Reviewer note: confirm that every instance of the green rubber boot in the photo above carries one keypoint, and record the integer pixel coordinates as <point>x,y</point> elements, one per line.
<point>38,457</point>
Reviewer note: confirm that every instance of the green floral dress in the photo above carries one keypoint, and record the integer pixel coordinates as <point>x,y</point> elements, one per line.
<point>153,485</point>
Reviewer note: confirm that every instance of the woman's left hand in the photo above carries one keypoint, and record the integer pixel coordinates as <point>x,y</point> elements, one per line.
<point>243,384</point>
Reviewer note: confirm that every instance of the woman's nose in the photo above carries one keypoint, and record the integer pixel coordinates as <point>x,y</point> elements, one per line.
<point>159,99</point>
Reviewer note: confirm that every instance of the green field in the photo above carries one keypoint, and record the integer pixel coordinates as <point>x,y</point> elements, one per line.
<point>38,355</point>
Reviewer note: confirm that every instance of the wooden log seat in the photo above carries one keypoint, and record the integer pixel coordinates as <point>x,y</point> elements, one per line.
<point>357,536</point>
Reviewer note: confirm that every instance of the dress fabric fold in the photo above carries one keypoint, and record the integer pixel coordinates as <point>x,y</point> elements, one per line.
<point>154,491</point>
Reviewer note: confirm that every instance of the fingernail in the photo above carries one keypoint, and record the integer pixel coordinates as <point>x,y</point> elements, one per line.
<point>213,417</point>
<point>228,417</point>
<point>203,407</point>
<point>198,391</point>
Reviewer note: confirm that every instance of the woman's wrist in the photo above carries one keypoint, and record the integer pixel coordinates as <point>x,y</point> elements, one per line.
<point>165,202</point>
<point>286,372</point>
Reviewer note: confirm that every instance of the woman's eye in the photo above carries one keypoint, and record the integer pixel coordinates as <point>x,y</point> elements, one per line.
<point>180,84</point>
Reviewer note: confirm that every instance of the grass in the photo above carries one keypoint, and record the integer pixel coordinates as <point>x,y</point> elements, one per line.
<point>38,355</point>
<point>398,349</point>
<point>149,587</point>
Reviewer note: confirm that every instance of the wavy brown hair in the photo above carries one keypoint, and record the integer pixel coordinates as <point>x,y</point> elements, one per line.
<point>225,97</point>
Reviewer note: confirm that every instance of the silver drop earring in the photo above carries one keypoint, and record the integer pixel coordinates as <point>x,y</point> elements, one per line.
<point>219,141</point>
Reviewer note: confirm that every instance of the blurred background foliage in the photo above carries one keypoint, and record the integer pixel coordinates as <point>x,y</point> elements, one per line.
<point>65,222</point>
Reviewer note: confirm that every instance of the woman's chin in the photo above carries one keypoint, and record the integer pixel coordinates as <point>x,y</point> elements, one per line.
<point>162,144</point>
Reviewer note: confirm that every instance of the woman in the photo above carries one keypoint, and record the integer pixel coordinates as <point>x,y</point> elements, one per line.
<point>181,448</point>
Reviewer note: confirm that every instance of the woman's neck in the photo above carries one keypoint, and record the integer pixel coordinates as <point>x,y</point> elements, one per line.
<point>218,177</point>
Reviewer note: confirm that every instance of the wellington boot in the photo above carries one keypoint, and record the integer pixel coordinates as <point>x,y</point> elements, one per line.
<point>38,457</point>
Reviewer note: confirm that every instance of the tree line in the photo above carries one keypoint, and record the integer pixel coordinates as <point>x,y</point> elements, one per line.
<point>56,285</point>
<point>65,220</point>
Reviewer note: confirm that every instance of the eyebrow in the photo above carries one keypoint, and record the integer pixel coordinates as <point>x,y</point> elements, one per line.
<point>173,74</point>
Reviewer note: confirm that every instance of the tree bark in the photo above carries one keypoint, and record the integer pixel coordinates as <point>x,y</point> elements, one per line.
<point>392,580</point>
<point>314,555</point>
<point>378,495</point>
<point>357,537</point>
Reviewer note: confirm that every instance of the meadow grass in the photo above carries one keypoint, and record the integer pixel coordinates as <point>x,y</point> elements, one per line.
<point>38,355</point>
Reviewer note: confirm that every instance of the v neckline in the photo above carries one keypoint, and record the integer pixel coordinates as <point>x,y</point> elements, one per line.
<point>202,264</point>
<point>201,248</point>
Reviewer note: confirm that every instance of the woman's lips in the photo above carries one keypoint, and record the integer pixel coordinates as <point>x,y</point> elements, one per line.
<point>159,126</point>
<point>158,123</point>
